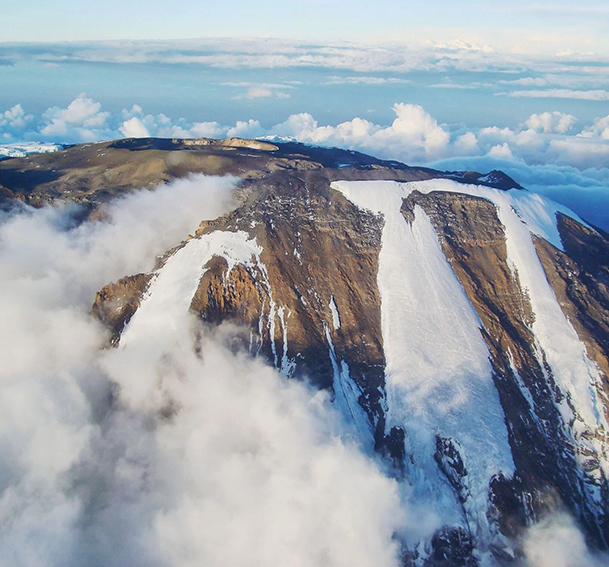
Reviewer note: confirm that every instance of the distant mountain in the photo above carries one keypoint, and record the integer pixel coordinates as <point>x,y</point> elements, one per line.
<point>460,322</point>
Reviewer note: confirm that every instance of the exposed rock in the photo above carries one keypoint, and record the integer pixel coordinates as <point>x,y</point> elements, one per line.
<point>116,303</point>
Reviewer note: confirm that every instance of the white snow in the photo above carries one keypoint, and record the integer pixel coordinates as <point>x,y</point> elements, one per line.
<point>335,314</point>
<point>346,398</point>
<point>170,293</point>
<point>438,374</point>
<point>26,148</point>
<point>522,214</point>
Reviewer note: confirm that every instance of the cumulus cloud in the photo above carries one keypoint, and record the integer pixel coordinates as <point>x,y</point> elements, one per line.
<point>83,116</point>
<point>247,469</point>
<point>501,151</point>
<point>134,128</point>
<point>600,129</point>
<point>15,118</point>
<point>414,134</point>
<point>551,122</point>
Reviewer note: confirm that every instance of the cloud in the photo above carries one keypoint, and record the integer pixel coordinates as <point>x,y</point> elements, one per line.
<point>15,118</point>
<point>262,92</point>
<point>526,82</point>
<point>501,151</point>
<point>557,542</point>
<point>367,80</point>
<point>134,128</point>
<point>599,129</point>
<point>250,468</point>
<point>397,57</point>
<point>414,134</point>
<point>598,95</point>
<point>81,120</point>
<point>551,122</point>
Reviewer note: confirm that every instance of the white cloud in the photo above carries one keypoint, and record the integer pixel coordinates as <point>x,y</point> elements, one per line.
<point>557,542</point>
<point>579,151</point>
<point>414,134</point>
<point>598,95</point>
<point>15,118</point>
<point>134,128</point>
<point>551,122</point>
<point>207,130</point>
<point>599,129</point>
<point>367,80</point>
<point>526,82</point>
<point>249,471</point>
<point>462,45</point>
<point>82,111</point>
<point>467,144</point>
<point>501,151</point>
<point>245,129</point>
<point>262,91</point>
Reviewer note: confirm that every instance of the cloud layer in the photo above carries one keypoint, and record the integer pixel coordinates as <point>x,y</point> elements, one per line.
<point>248,469</point>
<point>414,136</point>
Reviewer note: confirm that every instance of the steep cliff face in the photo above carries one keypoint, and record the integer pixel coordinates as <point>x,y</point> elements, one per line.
<point>463,330</point>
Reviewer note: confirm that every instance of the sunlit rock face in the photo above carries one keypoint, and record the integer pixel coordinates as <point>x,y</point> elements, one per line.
<point>460,323</point>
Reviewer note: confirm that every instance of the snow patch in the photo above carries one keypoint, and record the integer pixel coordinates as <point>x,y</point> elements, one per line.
<point>27,148</point>
<point>335,314</point>
<point>170,294</point>
<point>438,373</point>
<point>346,398</point>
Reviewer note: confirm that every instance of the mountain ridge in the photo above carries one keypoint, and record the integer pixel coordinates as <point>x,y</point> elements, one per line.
<point>463,329</point>
<point>95,173</point>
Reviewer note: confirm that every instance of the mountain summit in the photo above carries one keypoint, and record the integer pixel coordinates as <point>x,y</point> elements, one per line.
<point>460,322</point>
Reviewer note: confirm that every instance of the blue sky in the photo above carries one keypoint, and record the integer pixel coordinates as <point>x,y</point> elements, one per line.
<point>517,85</point>
<point>514,25</point>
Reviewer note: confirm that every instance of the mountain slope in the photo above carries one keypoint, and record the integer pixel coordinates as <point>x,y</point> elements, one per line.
<point>463,328</point>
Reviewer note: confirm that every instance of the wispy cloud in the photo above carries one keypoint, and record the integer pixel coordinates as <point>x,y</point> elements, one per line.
<point>597,95</point>
<point>262,91</point>
<point>367,80</point>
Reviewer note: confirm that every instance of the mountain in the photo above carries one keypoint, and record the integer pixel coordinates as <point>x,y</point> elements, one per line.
<point>460,322</point>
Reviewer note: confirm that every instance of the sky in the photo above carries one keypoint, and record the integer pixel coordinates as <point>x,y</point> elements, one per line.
<point>541,117</point>
<point>514,25</point>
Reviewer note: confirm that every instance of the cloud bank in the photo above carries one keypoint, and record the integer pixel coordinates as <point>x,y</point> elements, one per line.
<point>247,468</point>
<point>414,136</point>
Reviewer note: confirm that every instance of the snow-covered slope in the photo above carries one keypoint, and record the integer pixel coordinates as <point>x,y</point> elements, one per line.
<point>438,374</point>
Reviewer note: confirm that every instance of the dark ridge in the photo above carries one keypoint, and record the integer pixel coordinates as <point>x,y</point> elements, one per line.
<point>95,173</point>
